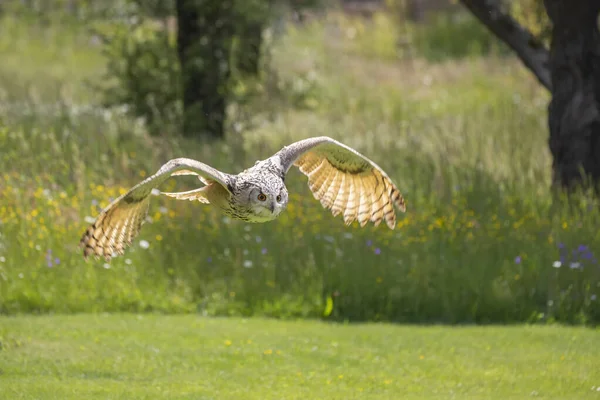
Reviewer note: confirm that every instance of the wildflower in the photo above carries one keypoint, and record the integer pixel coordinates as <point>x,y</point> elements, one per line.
<point>106,266</point>
<point>377,251</point>
<point>268,351</point>
<point>369,243</point>
<point>209,259</point>
<point>89,220</point>
<point>227,342</point>
<point>557,264</point>
<point>258,239</point>
<point>518,260</point>
<point>264,250</point>
<point>163,210</point>
<point>574,265</point>
<point>155,192</point>
<point>144,244</point>
<point>593,297</point>
<point>2,259</point>
<point>49,258</point>
<point>127,261</point>
<point>248,264</point>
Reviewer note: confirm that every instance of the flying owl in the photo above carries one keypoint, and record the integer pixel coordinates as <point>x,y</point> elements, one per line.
<point>342,179</point>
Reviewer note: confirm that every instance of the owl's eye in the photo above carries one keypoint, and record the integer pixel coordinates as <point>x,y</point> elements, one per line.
<point>262,197</point>
<point>279,198</point>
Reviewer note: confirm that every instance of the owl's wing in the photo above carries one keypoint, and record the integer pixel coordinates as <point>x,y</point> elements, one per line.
<point>345,181</point>
<point>116,226</point>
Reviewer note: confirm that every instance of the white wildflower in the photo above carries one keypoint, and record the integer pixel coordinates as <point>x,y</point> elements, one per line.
<point>574,265</point>
<point>106,266</point>
<point>89,220</point>
<point>127,261</point>
<point>155,192</point>
<point>248,264</point>
<point>163,210</point>
<point>557,264</point>
<point>144,244</point>
<point>2,259</point>
<point>21,275</point>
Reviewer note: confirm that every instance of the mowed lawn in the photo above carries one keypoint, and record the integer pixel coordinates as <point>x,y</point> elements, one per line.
<point>192,357</point>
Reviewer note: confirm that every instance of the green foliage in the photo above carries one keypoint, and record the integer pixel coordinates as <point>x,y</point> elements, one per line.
<point>142,72</point>
<point>464,140</point>
<point>451,36</point>
<point>187,357</point>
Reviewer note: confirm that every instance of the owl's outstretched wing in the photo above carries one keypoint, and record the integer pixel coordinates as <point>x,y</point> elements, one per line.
<point>116,226</point>
<point>345,181</point>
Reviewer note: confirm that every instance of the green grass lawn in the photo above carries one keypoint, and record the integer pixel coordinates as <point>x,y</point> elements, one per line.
<point>191,357</point>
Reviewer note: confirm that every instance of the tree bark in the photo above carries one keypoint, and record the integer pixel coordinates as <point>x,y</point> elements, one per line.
<point>573,113</point>
<point>205,31</point>
<point>525,45</point>
<point>249,50</point>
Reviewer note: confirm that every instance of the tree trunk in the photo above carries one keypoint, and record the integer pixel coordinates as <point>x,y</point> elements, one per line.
<point>249,47</point>
<point>573,113</point>
<point>204,29</point>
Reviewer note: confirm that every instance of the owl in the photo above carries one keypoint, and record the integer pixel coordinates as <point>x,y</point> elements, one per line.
<point>342,179</point>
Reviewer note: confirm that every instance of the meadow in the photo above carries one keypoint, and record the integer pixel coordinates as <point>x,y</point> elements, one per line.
<point>461,128</point>
<point>147,356</point>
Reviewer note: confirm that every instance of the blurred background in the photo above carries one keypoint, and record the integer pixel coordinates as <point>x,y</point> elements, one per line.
<point>95,95</point>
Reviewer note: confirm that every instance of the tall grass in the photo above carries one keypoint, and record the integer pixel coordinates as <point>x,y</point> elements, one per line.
<point>465,140</point>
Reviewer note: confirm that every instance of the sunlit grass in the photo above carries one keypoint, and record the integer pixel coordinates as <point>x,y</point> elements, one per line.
<point>185,357</point>
<point>465,140</point>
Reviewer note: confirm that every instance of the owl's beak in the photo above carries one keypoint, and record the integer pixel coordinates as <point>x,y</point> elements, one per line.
<point>272,207</point>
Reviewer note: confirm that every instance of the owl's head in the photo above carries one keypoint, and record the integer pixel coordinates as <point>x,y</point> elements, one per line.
<point>264,200</point>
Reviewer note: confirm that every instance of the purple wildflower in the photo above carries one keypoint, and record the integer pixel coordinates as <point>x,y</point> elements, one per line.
<point>377,251</point>
<point>208,259</point>
<point>369,243</point>
<point>264,250</point>
<point>49,258</point>
<point>518,260</point>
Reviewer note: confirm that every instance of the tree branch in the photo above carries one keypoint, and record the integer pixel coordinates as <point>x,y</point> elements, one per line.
<point>531,52</point>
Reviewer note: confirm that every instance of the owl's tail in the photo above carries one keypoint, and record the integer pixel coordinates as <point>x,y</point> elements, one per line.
<point>191,195</point>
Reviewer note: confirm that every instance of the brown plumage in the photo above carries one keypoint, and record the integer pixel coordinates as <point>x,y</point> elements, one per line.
<point>342,179</point>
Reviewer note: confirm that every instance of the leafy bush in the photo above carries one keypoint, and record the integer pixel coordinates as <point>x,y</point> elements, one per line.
<point>142,72</point>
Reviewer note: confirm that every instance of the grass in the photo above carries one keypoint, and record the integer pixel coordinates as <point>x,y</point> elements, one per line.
<point>190,357</point>
<point>464,138</point>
